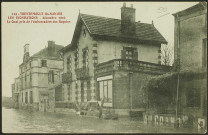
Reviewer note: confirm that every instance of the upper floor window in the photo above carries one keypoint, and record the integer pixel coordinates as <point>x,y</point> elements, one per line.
<point>51,76</point>
<point>129,53</point>
<point>85,58</point>
<point>68,64</point>
<point>30,76</point>
<point>76,59</point>
<point>44,63</point>
<point>204,52</point>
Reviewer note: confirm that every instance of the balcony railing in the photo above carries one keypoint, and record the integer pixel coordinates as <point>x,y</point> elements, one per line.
<point>82,73</point>
<point>66,77</point>
<point>130,65</point>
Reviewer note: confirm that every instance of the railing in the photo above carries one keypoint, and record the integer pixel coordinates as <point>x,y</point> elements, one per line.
<point>82,73</point>
<point>66,77</point>
<point>130,65</point>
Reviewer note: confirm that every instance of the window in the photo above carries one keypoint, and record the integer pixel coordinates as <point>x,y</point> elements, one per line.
<point>88,91</point>
<point>26,97</point>
<point>31,97</point>
<point>69,92</point>
<point>105,88</point>
<point>51,76</point>
<point>85,57</point>
<point>69,64</point>
<point>76,60</point>
<point>129,53</point>
<point>44,63</point>
<point>193,98</point>
<point>204,52</point>
<point>30,76</point>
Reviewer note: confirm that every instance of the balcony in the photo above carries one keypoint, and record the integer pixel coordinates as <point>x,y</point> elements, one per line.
<point>129,65</point>
<point>82,73</point>
<point>66,77</point>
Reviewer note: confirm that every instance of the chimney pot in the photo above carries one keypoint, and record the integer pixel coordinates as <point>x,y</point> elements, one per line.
<point>124,4</point>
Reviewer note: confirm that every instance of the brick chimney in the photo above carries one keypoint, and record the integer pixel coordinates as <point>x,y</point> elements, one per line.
<point>128,20</point>
<point>51,47</point>
<point>26,52</point>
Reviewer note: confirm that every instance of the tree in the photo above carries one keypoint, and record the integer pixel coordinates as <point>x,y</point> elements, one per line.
<point>167,55</point>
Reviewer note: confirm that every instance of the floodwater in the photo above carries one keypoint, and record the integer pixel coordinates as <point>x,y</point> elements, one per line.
<point>23,121</point>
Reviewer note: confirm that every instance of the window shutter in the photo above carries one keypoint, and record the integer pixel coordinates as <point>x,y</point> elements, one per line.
<point>135,55</point>
<point>52,76</point>
<point>123,54</point>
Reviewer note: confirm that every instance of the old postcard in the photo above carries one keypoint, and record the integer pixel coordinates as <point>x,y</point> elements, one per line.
<point>104,67</point>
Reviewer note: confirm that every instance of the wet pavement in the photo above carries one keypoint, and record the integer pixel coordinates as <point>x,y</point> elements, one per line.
<point>23,121</point>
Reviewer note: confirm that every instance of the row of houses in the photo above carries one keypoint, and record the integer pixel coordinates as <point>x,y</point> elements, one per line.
<point>111,59</point>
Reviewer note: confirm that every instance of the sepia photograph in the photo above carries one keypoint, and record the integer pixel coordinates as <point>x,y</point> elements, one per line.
<point>104,67</point>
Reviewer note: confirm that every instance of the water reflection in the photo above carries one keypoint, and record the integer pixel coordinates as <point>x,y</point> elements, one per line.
<point>21,121</point>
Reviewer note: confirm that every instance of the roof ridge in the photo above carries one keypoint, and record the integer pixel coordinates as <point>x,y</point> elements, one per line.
<point>100,16</point>
<point>138,22</point>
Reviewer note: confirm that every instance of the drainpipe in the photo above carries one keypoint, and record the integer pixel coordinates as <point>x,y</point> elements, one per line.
<point>130,90</point>
<point>178,68</point>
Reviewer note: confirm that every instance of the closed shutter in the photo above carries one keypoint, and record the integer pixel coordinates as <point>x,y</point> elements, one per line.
<point>135,55</point>
<point>123,54</point>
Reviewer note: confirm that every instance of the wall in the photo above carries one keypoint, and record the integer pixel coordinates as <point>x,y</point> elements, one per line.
<point>108,50</point>
<point>192,32</point>
<point>126,87</point>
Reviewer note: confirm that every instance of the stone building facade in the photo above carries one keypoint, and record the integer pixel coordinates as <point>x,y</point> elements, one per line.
<point>191,55</point>
<point>110,58</point>
<point>37,74</point>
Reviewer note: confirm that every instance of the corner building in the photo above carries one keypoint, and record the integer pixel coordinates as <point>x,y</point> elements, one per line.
<point>111,58</point>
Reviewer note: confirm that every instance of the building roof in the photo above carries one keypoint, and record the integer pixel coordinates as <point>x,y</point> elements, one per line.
<point>198,7</point>
<point>45,53</point>
<point>112,27</point>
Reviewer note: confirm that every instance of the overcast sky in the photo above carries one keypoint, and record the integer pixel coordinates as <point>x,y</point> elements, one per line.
<point>15,36</point>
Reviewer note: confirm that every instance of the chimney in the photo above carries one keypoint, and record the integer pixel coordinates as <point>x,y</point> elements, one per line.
<point>51,47</point>
<point>26,52</point>
<point>26,48</point>
<point>128,20</point>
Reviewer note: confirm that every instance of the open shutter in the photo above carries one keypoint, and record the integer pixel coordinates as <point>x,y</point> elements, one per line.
<point>123,54</point>
<point>135,55</point>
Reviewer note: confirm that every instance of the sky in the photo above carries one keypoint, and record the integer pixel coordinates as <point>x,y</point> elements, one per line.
<point>15,36</point>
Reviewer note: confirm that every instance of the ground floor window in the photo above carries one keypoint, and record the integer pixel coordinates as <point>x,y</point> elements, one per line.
<point>105,89</point>
<point>26,97</point>
<point>193,98</point>
<point>31,97</point>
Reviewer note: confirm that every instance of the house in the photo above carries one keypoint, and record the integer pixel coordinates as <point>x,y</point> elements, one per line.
<point>190,51</point>
<point>37,74</point>
<point>110,58</point>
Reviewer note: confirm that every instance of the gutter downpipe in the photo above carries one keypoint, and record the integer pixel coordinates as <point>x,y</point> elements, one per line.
<point>178,68</point>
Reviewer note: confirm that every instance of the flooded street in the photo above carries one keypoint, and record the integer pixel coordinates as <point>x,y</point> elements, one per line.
<point>22,121</point>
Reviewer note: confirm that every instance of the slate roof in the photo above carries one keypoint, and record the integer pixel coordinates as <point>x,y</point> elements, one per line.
<point>44,53</point>
<point>198,7</point>
<point>112,27</point>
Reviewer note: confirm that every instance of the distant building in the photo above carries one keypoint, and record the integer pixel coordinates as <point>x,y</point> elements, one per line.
<point>111,58</point>
<point>37,74</point>
<point>191,55</point>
